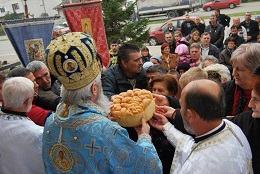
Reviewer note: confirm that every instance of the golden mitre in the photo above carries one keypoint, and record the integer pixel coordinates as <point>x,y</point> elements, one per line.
<point>72,59</point>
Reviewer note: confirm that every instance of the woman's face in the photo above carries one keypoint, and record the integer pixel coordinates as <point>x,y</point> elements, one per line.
<point>255,104</point>
<point>160,88</point>
<point>144,53</point>
<point>177,37</point>
<point>242,75</point>
<point>231,45</point>
<point>166,50</point>
<point>196,37</point>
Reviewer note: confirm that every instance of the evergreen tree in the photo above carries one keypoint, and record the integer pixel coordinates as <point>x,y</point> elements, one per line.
<point>120,23</point>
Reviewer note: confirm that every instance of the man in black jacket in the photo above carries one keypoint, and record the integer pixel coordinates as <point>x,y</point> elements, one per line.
<point>199,26</point>
<point>170,40</point>
<point>216,32</point>
<point>222,18</point>
<point>187,26</point>
<point>127,74</point>
<point>252,28</point>
<point>207,48</point>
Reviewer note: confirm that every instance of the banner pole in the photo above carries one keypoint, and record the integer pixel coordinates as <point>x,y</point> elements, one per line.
<point>26,15</point>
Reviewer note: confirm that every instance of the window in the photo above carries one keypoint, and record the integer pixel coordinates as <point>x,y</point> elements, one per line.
<point>2,9</point>
<point>16,6</point>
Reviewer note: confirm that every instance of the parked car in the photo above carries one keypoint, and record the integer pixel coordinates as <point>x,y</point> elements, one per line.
<point>157,36</point>
<point>220,4</point>
<point>57,29</point>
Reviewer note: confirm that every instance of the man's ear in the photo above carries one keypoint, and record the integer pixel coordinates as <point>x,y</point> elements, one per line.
<point>124,63</point>
<point>94,89</point>
<point>27,102</point>
<point>191,115</point>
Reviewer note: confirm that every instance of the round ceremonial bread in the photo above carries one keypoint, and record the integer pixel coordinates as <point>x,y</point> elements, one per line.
<point>129,107</point>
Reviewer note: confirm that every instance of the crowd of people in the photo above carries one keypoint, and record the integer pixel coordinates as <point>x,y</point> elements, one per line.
<point>57,120</point>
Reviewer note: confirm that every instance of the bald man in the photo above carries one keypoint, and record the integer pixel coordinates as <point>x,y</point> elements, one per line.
<point>219,146</point>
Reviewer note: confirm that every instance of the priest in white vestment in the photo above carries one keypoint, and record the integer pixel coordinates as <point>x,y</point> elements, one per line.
<point>21,138</point>
<point>219,146</point>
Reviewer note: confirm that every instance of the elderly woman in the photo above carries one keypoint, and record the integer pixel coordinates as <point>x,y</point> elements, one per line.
<point>164,84</point>
<point>249,121</point>
<point>169,60</point>
<point>238,91</point>
<point>209,60</point>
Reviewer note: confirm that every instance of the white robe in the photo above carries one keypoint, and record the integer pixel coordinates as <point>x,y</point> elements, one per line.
<point>225,152</point>
<point>20,146</point>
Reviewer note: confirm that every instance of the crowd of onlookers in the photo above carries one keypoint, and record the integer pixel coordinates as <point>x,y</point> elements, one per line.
<point>199,81</point>
<point>219,51</point>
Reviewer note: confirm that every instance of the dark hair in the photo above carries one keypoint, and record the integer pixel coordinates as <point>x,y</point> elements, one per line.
<point>234,26</point>
<point>256,81</point>
<point>217,10</point>
<point>208,107</point>
<point>230,39</point>
<point>124,52</point>
<point>156,68</point>
<point>19,72</point>
<point>114,41</point>
<point>98,58</point>
<point>169,81</point>
<point>214,75</point>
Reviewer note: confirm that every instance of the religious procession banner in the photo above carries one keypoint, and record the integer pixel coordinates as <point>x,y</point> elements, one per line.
<point>87,17</point>
<point>29,37</point>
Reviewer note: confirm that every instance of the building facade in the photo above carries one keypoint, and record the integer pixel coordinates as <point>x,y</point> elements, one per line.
<point>36,8</point>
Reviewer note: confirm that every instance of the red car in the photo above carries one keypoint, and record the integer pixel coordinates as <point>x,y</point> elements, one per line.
<point>157,36</point>
<point>57,29</point>
<point>220,4</point>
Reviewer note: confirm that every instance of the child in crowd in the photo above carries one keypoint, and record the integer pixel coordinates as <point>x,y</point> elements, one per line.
<point>179,39</point>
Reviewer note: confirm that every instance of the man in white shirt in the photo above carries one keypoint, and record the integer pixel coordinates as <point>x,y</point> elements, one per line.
<point>241,30</point>
<point>219,146</point>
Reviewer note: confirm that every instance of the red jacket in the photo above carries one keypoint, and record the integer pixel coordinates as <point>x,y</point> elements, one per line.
<point>38,115</point>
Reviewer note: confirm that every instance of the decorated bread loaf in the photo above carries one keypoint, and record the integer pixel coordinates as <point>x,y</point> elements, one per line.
<point>129,107</point>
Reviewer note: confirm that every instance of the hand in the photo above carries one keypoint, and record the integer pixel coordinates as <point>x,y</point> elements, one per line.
<point>249,37</point>
<point>112,118</point>
<point>166,111</point>
<point>144,128</point>
<point>158,121</point>
<point>161,100</point>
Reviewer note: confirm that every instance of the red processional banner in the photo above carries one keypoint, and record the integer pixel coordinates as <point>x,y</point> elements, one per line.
<point>87,17</point>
